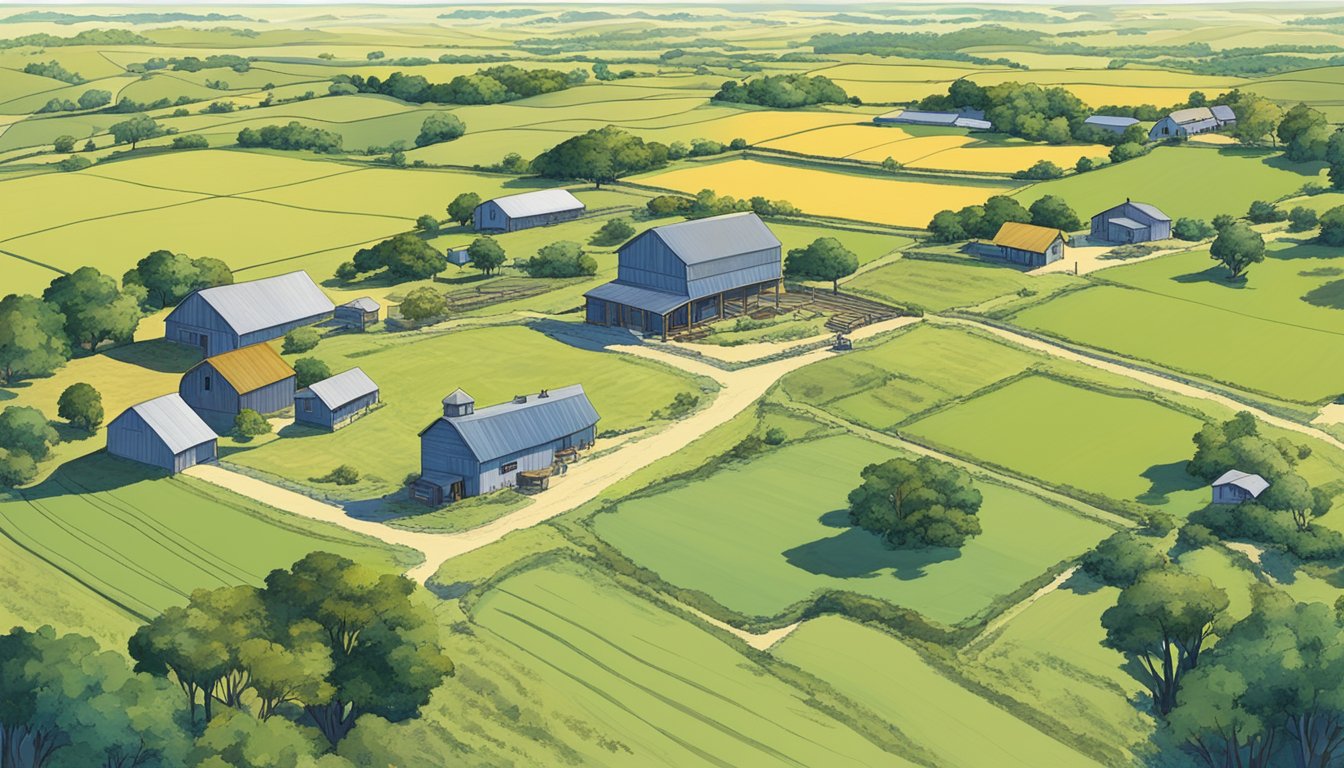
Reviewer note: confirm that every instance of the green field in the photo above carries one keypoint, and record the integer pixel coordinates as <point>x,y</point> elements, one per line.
<point>761,536</point>
<point>937,285</point>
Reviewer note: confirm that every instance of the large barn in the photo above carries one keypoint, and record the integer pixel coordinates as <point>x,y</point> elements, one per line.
<point>1131,222</point>
<point>228,317</point>
<point>469,452</point>
<point>336,401</point>
<point>1184,123</point>
<point>163,432</point>
<point>1110,123</point>
<point>676,275</point>
<point>1029,244</point>
<point>218,388</point>
<point>527,210</point>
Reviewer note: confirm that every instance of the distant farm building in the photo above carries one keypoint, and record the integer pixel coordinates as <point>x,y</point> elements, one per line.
<point>163,432</point>
<point>676,275</point>
<point>228,317</point>
<point>1029,244</point>
<point>1131,222</point>
<point>1184,123</point>
<point>1109,123</point>
<point>530,209</point>
<point>458,256</point>
<point>254,377</point>
<point>1233,487</point>
<point>358,314</point>
<point>334,402</point>
<point>469,452</point>
<point>972,119</point>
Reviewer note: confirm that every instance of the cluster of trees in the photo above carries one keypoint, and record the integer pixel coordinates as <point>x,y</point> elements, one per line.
<point>709,203</point>
<point>916,504</point>
<point>53,70</point>
<point>784,91</point>
<point>401,257</point>
<point>984,221</point>
<point>486,254</point>
<point>560,259</point>
<point>193,63</point>
<point>949,46</point>
<point>703,148</point>
<point>90,99</point>
<point>613,232</point>
<point>25,439</point>
<point>422,304</point>
<point>823,259</point>
<point>166,277</point>
<point>292,136</point>
<point>440,126</point>
<point>492,85</point>
<point>239,676</point>
<point>600,155</point>
<point>1306,136</point>
<point>135,130</point>
<point>1027,110</point>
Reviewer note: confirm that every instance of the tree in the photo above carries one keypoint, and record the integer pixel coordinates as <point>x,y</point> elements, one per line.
<point>94,98</point>
<point>404,256</point>
<point>561,259</point>
<point>1332,226</point>
<point>300,340</point>
<point>24,429</point>
<point>1127,151</point>
<point>238,740</point>
<point>1304,133</point>
<point>486,254</point>
<point>135,130</point>
<point>346,271</point>
<point>1162,621</point>
<point>81,405</point>
<point>1257,118</point>
<point>440,126</point>
<point>423,303</point>
<point>1041,171</point>
<point>823,259</point>
<point>32,338</point>
<point>427,223</point>
<point>999,210</point>
<point>1334,156</point>
<point>16,468</point>
<point>1053,212</point>
<point>309,371</point>
<point>94,309</point>
<point>463,206</point>
<point>600,155</point>
<point>1264,212</point>
<point>946,227</point>
<point>1237,247</point>
<point>74,163</point>
<point>783,91</point>
<point>249,423</point>
<point>167,277</point>
<point>614,232</point>
<point>191,141</point>
<point>64,143</point>
<point>1302,219</point>
<point>1238,444</point>
<point>916,504</point>
<point>1192,229</point>
<point>1121,559</point>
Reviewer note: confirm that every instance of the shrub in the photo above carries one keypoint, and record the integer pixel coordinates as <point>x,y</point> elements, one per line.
<point>427,223</point>
<point>64,144</point>
<point>81,405</point>
<point>669,205</point>
<point>1301,219</point>
<point>681,405</point>
<point>1041,171</point>
<point>404,256</point>
<point>1195,536</point>
<point>1120,559</point>
<point>25,429</point>
<point>561,259</point>
<point>1332,226</point>
<point>614,232</point>
<point>423,303</point>
<point>74,163</point>
<point>300,340</point>
<point>440,126</point>
<point>249,423</point>
<point>1127,151</point>
<point>1192,229</point>
<point>293,136</point>
<point>190,141</point>
<point>346,271</point>
<point>309,371</point>
<point>737,144</point>
<point>16,468</point>
<point>342,475</point>
<point>775,436</point>
<point>1262,212</point>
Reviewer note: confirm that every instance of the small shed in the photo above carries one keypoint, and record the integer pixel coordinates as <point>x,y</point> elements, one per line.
<point>358,314</point>
<point>458,256</point>
<point>1234,487</point>
<point>1110,123</point>
<point>530,209</point>
<point>163,432</point>
<point>1029,244</point>
<point>255,377</point>
<point>1131,222</point>
<point>334,402</point>
<point>227,317</point>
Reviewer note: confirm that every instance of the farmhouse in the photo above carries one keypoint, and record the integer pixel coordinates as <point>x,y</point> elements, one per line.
<point>254,377</point>
<point>1029,244</point>
<point>1234,487</point>
<point>530,209</point>
<point>358,314</point>
<point>1131,222</point>
<point>469,452</point>
<point>1109,123</point>
<point>227,317</point>
<point>972,119</point>
<point>334,402</point>
<point>163,432</point>
<point>1184,123</point>
<point>676,275</point>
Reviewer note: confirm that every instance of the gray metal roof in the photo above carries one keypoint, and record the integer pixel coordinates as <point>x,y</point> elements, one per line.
<point>341,389</point>
<point>1127,223</point>
<point>1202,125</point>
<point>1191,115</point>
<point>1252,484</point>
<point>1117,122</point>
<point>1223,112</point>
<point>973,123</point>
<point>363,303</point>
<point>926,118</point>
<point>1151,210</point>
<point>717,237</point>
<point>174,422</point>
<point>266,303</point>
<point>658,302</point>
<point>732,280</point>
<point>500,430</point>
<point>537,203</point>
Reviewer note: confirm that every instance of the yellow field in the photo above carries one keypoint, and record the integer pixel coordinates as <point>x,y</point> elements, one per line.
<point>900,202</point>
<point>1007,159</point>
<point>838,140</point>
<point>755,127</point>
<point>910,151</point>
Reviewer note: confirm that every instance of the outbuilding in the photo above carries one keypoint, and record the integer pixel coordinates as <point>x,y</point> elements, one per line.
<point>527,210</point>
<point>1131,222</point>
<point>228,317</point>
<point>971,119</point>
<point>1184,123</point>
<point>163,432</point>
<point>1110,123</point>
<point>358,314</point>
<point>1029,244</point>
<point>1234,487</point>
<point>336,401</point>
<point>218,388</point>
<point>468,452</point>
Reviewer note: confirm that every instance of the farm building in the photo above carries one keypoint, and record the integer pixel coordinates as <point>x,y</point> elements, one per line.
<point>458,256</point>
<point>219,387</point>
<point>1131,222</point>
<point>1029,244</point>
<point>676,275</point>
<point>334,402</point>
<point>469,452</point>
<point>163,432</point>
<point>228,317</point>
<point>358,314</point>
<point>972,119</point>
<point>1109,123</point>
<point>530,209</point>
<point>1184,123</point>
<point>1233,487</point>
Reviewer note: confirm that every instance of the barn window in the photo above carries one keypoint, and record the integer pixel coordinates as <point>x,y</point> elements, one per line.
<point>207,383</point>
<point>307,406</point>
<point>504,469</point>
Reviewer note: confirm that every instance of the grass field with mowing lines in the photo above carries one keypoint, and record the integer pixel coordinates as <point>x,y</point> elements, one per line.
<point>46,202</point>
<point>937,285</point>
<point>761,536</point>
<point>1123,447</point>
<point>958,726</point>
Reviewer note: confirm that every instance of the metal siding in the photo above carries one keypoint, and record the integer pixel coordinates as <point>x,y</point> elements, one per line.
<point>734,281</point>
<point>129,437</point>
<point>507,428</point>
<point>195,315</point>
<point>270,398</point>
<point>647,261</point>
<point>443,450</point>
<point>276,331</point>
<point>285,301</point>
<point>320,416</point>
<point>221,398</point>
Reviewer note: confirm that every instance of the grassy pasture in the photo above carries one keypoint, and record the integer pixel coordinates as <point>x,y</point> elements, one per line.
<point>1005,158</point>
<point>217,171</point>
<point>958,726</point>
<point>936,285</point>
<point>755,126</point>
<point>761,536</point>
<point>868,246</point>
<point>1125,447</point>
<point>52,201</point>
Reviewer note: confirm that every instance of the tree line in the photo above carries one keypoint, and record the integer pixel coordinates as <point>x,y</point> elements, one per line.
<point>492,85</point>
<point>983,221</point>
<point>786,91</point>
